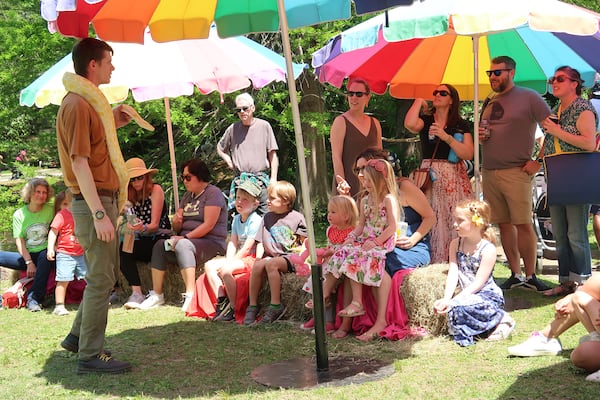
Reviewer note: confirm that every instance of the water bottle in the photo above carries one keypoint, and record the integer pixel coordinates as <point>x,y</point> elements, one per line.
<point>132,219</point>
<point>452,157</point>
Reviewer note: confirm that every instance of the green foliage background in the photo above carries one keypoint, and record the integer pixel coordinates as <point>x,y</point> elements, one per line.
<point>28,49</point>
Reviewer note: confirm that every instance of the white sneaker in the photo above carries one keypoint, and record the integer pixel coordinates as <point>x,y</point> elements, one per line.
<point>187,299</point>
<point>134,301</point>
<point>60,310</point>
<point>536,345</point>
<point>595,377</point>
<point>153,300</point>
<point>590,337</point>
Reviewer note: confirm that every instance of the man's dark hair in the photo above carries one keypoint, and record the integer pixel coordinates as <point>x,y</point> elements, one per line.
<point>86,50</point>
<point>509,62</point>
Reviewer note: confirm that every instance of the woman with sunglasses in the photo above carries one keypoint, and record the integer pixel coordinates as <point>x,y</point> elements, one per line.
<point>351,133</point>
<point>575,131</point>
<point>201,226</point>
<point>150,209</point>
<point>438,128</point>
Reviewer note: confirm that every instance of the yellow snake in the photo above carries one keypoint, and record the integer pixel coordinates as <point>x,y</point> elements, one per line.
<point>90,92</point>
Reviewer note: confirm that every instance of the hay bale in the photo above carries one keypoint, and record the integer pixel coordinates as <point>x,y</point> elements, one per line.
<point>420,289</point>
<point>292,296</point>
<point>172,287</point>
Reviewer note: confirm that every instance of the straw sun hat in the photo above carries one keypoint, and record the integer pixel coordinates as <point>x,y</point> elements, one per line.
<point>137,167</point>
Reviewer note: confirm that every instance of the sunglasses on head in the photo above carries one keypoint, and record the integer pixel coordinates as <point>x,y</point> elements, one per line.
<point>497,72</point>
<point>186,178</point>
<point>137,178</point>
<point>350,93</point>
<point>442,93</point>
<point>240,109</point>
<point>559,79</point>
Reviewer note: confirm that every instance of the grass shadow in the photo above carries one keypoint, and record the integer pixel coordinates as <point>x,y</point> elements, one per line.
<point>193,358</point>
<point>560,381</point>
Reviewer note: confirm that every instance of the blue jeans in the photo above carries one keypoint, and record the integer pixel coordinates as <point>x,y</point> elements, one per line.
<point>569,227</point>
<point>14,260</point>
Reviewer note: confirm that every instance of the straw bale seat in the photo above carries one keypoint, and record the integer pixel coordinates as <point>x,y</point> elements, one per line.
<point>420,289</point>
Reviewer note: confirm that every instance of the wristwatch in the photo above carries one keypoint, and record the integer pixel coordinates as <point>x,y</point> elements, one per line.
<point>540,160</point>
<point>99,214</point>
<point>28,262</point>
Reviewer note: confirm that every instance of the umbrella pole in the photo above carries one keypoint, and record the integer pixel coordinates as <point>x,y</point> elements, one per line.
<point>320,344</point>
<point>172,152</point>
<point>476,161</point>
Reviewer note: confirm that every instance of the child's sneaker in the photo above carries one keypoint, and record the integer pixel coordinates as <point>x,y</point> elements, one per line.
<point>152,300</point>
<point>222,303</point>
<point>227,315</point>
<point>273,314</point>
<point>250,318</point>
<point>536,345</point>
<point>60,310</point>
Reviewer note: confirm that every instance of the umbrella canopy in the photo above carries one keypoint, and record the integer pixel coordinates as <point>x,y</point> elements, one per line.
<point>414,68</point>
<point>163,70</point>
<point>157,70</point>
<point>168,20</point>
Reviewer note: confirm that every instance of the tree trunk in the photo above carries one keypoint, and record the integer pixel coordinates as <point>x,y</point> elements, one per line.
<point>315,150</point>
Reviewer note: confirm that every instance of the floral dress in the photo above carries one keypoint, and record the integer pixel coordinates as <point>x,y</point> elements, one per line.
<point>475,313</point>
<point>363,266</point>
<point>335,238</point>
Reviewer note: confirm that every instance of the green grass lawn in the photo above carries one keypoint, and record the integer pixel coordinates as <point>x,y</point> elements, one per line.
<point>178,357</point>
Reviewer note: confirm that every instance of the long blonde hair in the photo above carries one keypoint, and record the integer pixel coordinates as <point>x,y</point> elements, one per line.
<point>381,174</point>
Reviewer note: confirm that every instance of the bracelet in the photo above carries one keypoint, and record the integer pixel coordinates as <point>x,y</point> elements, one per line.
<point>352,235</point>
<point>145,227</point>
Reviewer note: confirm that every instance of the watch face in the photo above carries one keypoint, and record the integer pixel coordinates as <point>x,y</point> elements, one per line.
<point>99,214</point>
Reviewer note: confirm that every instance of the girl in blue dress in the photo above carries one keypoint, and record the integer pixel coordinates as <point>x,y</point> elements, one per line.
<point>478,309</point>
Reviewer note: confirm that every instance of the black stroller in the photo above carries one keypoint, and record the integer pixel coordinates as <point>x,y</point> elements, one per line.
<point>546,245</point>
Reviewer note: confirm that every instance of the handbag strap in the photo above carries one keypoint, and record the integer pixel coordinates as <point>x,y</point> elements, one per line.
<point>557,149</point>
<point>434,152</point>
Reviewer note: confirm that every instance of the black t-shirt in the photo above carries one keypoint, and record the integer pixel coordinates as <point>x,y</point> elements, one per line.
<point>428,147</point>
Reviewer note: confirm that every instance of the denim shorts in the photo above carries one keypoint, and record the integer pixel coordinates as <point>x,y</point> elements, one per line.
<point>68,266</point>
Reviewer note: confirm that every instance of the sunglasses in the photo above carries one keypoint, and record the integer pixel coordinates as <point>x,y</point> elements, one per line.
<point>358,170</point>
<point>357,94</point>
<point>137,178</point>
<point>559,79</point>
<point>186,178</point>
<point>497,72</point>
<point>240,109</point>
<point>442,93</point>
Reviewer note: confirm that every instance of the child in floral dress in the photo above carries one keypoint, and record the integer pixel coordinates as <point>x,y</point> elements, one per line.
<point>362,257</point>
<point>342,215</point>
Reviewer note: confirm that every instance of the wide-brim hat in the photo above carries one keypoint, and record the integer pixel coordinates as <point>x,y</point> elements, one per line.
<point>251,188</point>
<point>137,167</point>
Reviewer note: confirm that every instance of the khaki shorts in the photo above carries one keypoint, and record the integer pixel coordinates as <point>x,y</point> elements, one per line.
<point>508,192</point>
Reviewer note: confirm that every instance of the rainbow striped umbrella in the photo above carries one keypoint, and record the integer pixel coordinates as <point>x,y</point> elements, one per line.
<point>414,48</point>
<point>414,68</point>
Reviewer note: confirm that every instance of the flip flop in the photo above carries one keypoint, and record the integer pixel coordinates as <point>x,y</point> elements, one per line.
<point>354,309</point>
<point>561,290</point>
